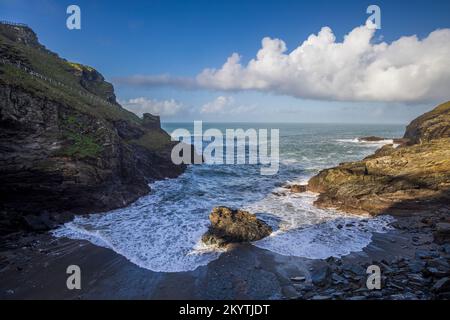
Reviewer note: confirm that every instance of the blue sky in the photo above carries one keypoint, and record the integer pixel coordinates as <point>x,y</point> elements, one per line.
<point>182,38</point>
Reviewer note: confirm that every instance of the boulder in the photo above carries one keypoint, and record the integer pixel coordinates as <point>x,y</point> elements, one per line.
<point>234,226</point>
<point>442,233</point>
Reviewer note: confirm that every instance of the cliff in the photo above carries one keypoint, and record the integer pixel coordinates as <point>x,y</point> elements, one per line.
<point>67,146</point>
<point>412,178</point>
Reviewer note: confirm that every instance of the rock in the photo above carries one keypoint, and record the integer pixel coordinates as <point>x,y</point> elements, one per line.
<point>320,297</point>
<point>355,269</point>
<point>442,233</point>
<point>298,279</point>
<point>439,263</point>
<point>298,188</point>
<point>338,279</point>
<point>290,292</point>
<point>416,266</point>
<point>371,139</point>
<point>357,298</point>
<point>446,248</point>
<point>430,126</point>
<point>404,296</point>
<point>320,275</point>
<point>436,273</point>
<point>233,226</point>
<point>442,285</point>
<point>150,121</point>
<point>38,222</point>
<point>399,181</point>
<point>426,254</point>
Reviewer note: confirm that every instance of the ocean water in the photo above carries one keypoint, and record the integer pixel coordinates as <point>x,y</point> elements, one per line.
<point>162,231</point>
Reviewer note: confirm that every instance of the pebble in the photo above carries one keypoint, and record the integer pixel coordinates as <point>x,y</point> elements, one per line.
<point>298,278</point>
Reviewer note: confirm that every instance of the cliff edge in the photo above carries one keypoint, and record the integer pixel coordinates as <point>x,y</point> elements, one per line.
<point>67,146</point>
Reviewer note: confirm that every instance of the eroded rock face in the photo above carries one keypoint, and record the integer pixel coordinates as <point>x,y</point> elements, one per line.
<point>233,226</point>
<point>430,126</point>
<point>399,181</point>
<point>62,152</point>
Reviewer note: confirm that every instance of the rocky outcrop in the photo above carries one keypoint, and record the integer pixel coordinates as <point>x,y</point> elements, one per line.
<point>62,152</point>
<point>371,139</point>
<point>430,126</point>
<point>150,121</point>
<point>403,180</point>
<point>233,226</point>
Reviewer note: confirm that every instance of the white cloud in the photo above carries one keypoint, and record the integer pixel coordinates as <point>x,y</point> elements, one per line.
<point>156,107</point>
<point>408,69</point>
<point>356,69</point>
<point>225,105</point>
<point>218,105</point>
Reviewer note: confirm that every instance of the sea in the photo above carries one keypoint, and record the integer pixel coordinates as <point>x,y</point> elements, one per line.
<point>162,231</point>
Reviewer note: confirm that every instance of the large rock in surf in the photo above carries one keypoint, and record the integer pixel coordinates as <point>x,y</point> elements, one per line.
<point>231,226</point>
<point>404,180</point>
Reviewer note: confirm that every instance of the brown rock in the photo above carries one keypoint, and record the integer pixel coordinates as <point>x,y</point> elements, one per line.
<point>430,126</point>
<point>404,180</point>
<point>233,226</point>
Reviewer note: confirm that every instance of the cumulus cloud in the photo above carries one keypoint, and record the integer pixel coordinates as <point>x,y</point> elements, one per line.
<point>225,105</point>
<point>357,69</point>
<point>143,105</point>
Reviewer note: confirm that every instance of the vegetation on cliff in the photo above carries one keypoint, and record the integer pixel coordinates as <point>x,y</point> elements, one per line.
<point>67,145</point>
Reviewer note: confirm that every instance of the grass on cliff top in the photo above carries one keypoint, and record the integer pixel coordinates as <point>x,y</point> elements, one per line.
<point>51,66</point>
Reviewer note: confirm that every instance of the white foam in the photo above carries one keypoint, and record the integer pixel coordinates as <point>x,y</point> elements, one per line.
<point>306,231</point>
<point>367,143</point>
<point>156,237</point>
<point>162,231</point>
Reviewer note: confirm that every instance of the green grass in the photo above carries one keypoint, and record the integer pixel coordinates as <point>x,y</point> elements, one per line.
<point>83,145</point>
<point>50,65</point>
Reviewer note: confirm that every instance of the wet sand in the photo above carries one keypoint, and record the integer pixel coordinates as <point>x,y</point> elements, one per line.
<point>34,267</point>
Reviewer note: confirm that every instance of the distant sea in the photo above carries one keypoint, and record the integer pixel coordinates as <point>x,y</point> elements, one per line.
<point>162,231</point>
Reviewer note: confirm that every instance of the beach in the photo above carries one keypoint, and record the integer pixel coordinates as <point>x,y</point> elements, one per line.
<point>34,267</point>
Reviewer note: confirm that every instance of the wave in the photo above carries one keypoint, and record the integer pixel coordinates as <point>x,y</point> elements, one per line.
<point>162,231</point>
<point>366,143</point>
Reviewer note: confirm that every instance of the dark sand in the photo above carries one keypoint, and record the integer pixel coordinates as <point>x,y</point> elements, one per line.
<point>34,267</point>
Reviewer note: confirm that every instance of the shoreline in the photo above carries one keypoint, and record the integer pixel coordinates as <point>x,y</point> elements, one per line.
<point>33,266</point>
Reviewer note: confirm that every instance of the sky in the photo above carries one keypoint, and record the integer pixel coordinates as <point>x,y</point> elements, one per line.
<point>257,60</point>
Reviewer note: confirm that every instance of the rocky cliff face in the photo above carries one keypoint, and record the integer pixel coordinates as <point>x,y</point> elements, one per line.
<point>399,181</point>
<point>67,146</point>
<point>430,126</point>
